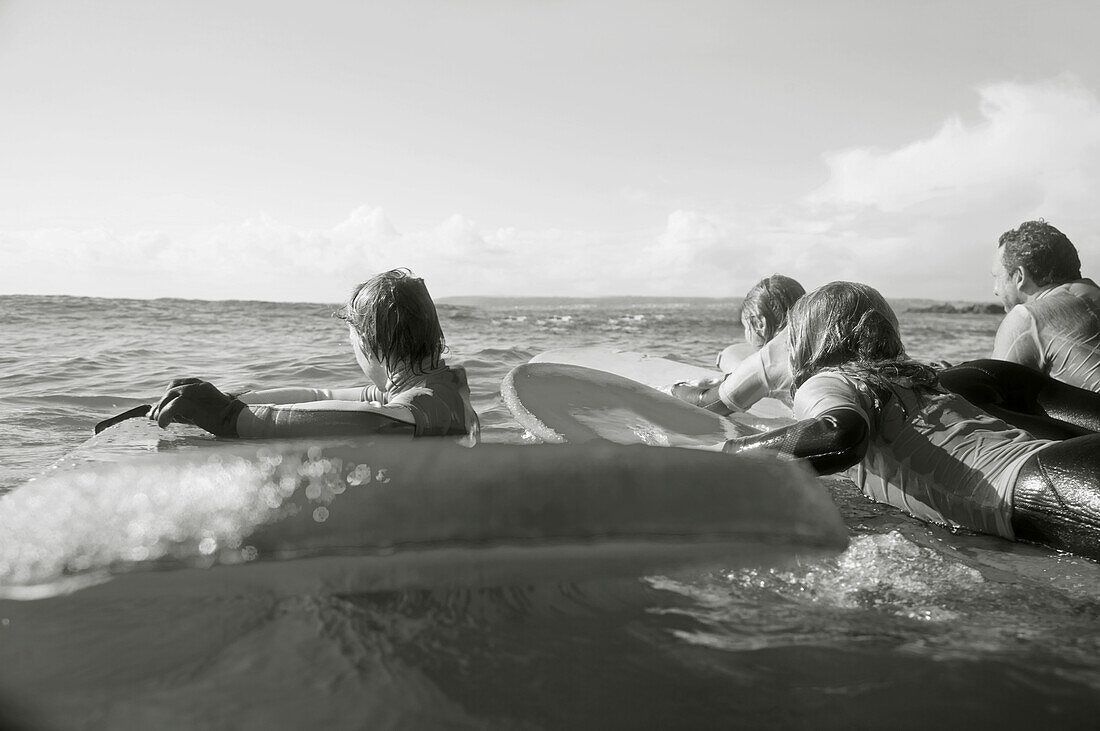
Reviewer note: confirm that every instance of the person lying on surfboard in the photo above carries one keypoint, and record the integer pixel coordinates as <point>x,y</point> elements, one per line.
<point>762,371</point>
<point>862,402</point>
<point>397,340</point>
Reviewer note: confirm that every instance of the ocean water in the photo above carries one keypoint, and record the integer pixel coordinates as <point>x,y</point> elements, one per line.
<point>69,362</point>
<point>912,626</point>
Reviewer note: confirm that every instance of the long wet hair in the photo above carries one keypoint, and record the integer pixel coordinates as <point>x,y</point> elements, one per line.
<point>850,328</point>
<point>771,299</point>
<point>396,321</point>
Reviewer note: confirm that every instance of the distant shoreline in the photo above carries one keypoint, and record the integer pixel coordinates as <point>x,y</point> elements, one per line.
<point>900,304</point>
<point>968,308</point>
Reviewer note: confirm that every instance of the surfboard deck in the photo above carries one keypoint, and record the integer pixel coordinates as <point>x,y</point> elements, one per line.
<point>653,371</point>
<point>561,403</point>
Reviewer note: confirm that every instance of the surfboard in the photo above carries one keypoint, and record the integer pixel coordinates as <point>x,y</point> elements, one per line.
<point>653,371</point>
<point>389,513</point>
<point>561,403</point>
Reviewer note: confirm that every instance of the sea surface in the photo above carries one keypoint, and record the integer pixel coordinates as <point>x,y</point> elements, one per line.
<point>912,627</point>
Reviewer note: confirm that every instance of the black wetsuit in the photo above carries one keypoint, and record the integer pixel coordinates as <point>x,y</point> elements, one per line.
<point>1056,500</point>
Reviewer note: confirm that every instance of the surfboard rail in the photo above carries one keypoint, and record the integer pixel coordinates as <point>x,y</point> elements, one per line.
<point>387,514</point>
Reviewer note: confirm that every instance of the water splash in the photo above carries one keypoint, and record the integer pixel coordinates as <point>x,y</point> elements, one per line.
<point>891,572</point>
<point>197,511</point>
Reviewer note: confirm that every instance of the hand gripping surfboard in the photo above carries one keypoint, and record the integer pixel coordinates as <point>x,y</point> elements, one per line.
<point>567,403</point>
<point>652,371</point>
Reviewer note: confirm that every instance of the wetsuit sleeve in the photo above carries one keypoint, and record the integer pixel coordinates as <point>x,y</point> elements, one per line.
<point>833,431</point>
<point>322,418</point>
<point>433,416</point>
<point>766,372</point>
<point>1018,339</point>
<point>776,357</point>
<point>829,392</point>
<point>303,395</point>
<point>746,385</point>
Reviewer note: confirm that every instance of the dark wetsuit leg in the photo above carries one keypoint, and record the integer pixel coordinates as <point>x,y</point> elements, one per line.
<point>1056,501</point>
<point>1026,398</point>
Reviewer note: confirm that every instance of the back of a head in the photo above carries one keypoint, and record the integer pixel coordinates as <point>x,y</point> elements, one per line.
<point>771,299</point>
<point>842,323</point>
<point>1044,251</point>
<point>396,320</point>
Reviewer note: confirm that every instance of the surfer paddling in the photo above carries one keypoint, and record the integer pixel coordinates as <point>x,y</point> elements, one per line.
<point>763,372</point>
<point>863,403</point>
<point>397,340</point>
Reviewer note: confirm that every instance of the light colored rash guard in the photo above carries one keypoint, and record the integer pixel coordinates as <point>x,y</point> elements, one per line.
<point>934,455</point>
<point>301,394</point>
<point>1056,332</point>
<point>434,403</point>
<point>765,373</point>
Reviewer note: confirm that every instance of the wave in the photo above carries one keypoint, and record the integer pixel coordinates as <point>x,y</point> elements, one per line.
<point>90,402</point>
<point>493,355</point>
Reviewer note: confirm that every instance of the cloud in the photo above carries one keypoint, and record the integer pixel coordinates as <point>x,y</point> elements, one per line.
<point>637,195</point>
<point>923,218</point>
<point>917,220</point>
<point>267,259</point>
<point>710,255</point>
<point>1038,138</point>
<point>261,258</point>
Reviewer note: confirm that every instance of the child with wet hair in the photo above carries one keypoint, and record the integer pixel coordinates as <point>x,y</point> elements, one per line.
<point>397,340</point>
<point>764,311</point>
<point>757,368</point>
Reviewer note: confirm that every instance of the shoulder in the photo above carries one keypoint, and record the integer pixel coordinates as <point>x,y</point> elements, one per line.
<point>450,377</point>
<point>1072,299</point>
<point>1078,289</point>
<point>1021,317</point>
<point>1078,286</point>
<point>1084,289</point>
<point>434,384</point>
<point>834,381</point>
<point>440,403</point>
<point>831,390</point>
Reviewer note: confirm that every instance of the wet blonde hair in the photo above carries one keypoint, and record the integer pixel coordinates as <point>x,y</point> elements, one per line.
<point>849,327</point>
<point>771,299</point>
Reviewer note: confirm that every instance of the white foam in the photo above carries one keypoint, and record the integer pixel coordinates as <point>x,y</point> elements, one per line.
<point>80,521</point>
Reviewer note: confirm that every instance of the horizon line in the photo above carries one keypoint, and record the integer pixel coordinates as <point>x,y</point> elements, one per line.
<point>471,299</point>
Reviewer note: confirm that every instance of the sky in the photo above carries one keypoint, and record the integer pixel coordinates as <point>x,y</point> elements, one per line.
<point>285,151</point>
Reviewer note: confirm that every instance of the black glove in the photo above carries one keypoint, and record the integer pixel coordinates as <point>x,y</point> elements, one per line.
<point>194,401</point>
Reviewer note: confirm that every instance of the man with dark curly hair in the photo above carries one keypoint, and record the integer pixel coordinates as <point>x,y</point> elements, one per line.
<point>1053,320</point>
